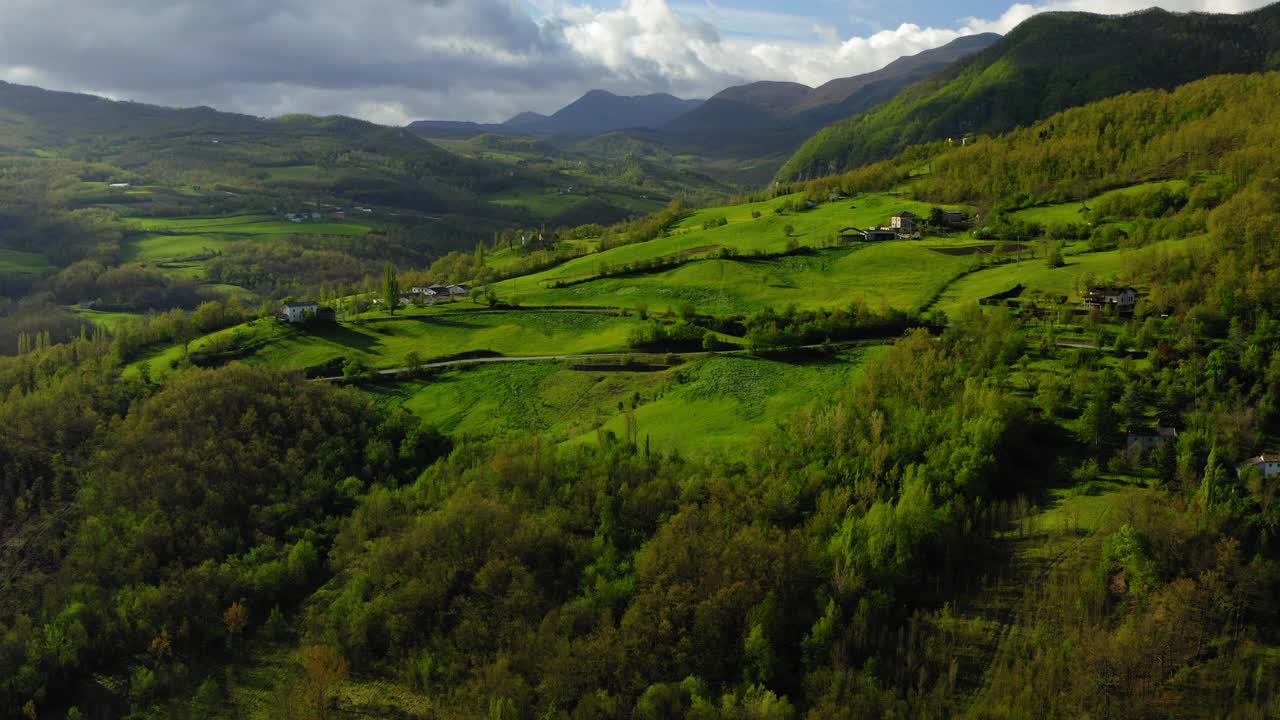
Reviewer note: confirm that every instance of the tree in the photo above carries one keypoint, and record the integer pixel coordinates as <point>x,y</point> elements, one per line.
<point>788,230</point>
<point>1097,422</point>
<point>390,288</point>
<point>324,670</point>
<point>413,360</point>
<point>1054,257</point>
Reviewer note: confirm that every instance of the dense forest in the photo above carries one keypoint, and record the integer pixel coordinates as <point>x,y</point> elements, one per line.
<point>173,543</point>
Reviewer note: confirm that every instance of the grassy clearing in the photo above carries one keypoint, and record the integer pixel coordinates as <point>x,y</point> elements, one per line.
<point>542,203</point>
<point>515,399</point>
<point>25,263</point>
<point>724,401</point>
<point>1072,212</point>
<point>898,274</point>
<point>168,240</point>
<point>109,320</point>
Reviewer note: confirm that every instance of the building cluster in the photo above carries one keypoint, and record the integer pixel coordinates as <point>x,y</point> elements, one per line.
<point>903,225</point>
<point>434,293</point>
<point>331,213</point>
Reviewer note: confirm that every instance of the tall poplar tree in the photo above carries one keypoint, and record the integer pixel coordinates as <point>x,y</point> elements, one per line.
<point>390,288</point>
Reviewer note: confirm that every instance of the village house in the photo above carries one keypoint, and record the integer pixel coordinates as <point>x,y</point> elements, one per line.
<point>1121,299</point>
<point>459,290</point>
<point>1268,465</point>
<point>119,186</point>
<point>1147,440</point>
<point>852,234</point>
<point>296,312</point>
<point>953,217</point>
<point>904,222</point>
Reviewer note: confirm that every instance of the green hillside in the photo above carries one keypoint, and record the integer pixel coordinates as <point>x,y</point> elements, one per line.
<point>1051,62</point>
<point>715,463</point>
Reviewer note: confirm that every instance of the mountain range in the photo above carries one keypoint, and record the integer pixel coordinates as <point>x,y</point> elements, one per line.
<point>740,110</point>
<point>597,112</point>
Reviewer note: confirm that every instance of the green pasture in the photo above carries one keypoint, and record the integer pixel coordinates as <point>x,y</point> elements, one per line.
<point>384,342</point>
<point>25,263</point>
<point>541,202</point>
<point>109,320</point>
<point>1082,268</point>
<point>517,399</point>
<point>893,274</point>
<point>725,401</point>
<point>183,243</point>
<point>743,233</point>
<point>1073,212</point>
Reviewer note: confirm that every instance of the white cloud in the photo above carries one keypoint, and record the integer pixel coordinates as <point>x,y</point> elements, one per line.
<point>396,60</point>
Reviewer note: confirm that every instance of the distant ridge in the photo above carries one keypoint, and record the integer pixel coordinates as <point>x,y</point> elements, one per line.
<point>1049,63</point>
<point>777,105</point>
<point>597,112</point>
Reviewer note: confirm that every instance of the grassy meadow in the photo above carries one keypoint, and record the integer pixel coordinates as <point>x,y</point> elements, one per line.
<point>898,274</point>
<point>713,403</point>
<point>24,263</point>
<point>382,343</point>
<point>724,401</point>
<point>176,239</point>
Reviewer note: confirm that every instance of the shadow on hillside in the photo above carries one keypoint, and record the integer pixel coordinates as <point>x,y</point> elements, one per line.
<point>342,335</point>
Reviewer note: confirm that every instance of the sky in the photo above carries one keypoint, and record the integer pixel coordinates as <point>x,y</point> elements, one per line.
<point>395,61</point>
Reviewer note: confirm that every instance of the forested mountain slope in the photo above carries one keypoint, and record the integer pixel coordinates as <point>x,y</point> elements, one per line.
<point>1049,63</point>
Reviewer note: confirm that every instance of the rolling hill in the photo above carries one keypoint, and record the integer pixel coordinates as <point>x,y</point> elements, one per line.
<point>1049,63</point>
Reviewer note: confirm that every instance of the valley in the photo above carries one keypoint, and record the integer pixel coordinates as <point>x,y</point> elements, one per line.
<point>970,410</point>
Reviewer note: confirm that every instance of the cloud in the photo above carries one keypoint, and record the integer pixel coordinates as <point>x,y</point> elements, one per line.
<point>393,61</point>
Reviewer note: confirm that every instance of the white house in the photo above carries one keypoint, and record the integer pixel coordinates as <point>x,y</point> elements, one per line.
<point>1112,296</point>
<point>298,311</point>
<point>1268,465</point>
<point>119,186</point>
